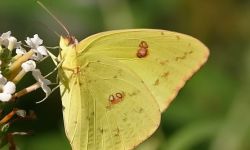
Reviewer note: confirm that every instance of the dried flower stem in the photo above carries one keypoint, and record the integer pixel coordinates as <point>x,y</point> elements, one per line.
<point>26,91</point>
<point>8,117</point>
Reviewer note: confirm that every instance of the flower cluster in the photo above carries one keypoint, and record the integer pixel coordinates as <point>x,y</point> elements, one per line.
<point>16,61</point>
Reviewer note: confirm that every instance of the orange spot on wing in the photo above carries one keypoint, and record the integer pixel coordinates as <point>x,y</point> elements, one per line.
<point>115,98</point>
<point>143,50</point>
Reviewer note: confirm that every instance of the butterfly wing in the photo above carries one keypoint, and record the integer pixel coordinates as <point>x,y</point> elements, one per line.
<point>123,80</point>
<point>171,58</point>
<point>107,106</point>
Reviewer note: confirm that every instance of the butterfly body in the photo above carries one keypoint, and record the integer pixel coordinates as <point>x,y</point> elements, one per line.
<point>115,84</point>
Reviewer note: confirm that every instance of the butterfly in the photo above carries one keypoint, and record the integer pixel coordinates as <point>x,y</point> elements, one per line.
<point>115,84</point>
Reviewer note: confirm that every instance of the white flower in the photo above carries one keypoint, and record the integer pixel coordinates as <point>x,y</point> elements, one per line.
<point>37,56</point>
<point>6,35</point>
<point>45,87</point>
<point>4,38</point>
<point>42,50</point>
<point>4,97</point>
<point>29,65</point>
<point>43,82</point>
<point>13,43</point>
<point>35,43</point>
<point>9,88</point>
<point>9,41</point>
<point>20,51</point>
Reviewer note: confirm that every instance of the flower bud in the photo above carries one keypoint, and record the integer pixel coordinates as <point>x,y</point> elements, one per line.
<point>9,88</point>
<point>12,43</point>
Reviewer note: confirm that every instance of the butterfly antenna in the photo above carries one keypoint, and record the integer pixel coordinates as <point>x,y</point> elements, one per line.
<point>53,16</point>
<point>56,33</point>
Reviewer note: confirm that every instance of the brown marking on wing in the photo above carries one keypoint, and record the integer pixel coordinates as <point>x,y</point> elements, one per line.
<point>125,119</point>
<point>140,110</point>
<point>143,50</point>
<point>101,130</point>
<point>163,62</point>
<point>165,74</point>
<point>132,94</point>
<point>178,37</point>
<point>183,56</point>
<point>115,99</point>
<point>190,52</point>
<point>117,131</point>
<point>157,81</point>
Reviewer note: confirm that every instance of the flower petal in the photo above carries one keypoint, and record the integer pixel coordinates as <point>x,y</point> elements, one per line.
<point>29,42</point>
<point>4,97</point>
<point>12,43</point>
<point>43,82</point>
<point>29,65</point>
<point>37,56</point>
<point>9,88</point>
<point>36,74</point>
<point>42,50</point>
<point>6,35</point>
<point>34,42</point>
<point>45,88</point>
<point>4,39</point>
<point>20,51</point>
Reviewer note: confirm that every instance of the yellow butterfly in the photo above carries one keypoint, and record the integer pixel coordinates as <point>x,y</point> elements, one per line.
<point>115,84</point>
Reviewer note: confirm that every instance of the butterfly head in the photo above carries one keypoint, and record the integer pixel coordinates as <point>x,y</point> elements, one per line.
<point>68,47</point>
<point>67,41</point>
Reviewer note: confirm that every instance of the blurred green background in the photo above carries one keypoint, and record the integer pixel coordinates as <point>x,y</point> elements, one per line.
<point>212,112</point>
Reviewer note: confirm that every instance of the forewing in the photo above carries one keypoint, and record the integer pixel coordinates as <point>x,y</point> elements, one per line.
<point>171,59</point>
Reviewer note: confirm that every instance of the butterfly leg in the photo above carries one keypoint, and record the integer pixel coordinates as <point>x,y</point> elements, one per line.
<point>53,57</point>
<point>58,65</point>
